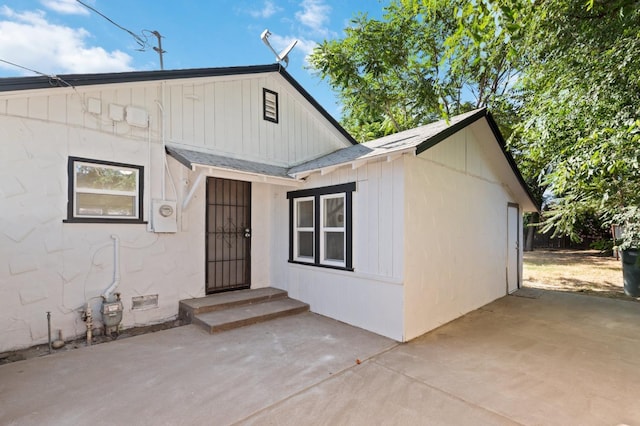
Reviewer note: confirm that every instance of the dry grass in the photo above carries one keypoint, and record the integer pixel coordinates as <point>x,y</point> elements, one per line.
<point>583,271</point>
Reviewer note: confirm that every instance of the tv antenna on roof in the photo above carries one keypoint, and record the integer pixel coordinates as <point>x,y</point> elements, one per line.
<point>282,56</point>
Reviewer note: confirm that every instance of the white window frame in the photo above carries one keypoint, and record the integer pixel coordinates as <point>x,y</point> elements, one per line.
<point>297,230</point>
<point>344,191</point>
<point>74,191</point>
<point>325,229</point>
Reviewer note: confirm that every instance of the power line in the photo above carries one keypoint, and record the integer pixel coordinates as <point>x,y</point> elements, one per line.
<point>25,68</point>
<point>50,76</point>
<point>143,43</point>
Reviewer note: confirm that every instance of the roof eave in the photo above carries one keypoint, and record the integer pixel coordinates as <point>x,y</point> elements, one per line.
<point>449,131</point>
<point>512,163</point>
<point>315,103</point>
<point>355,163</point>
<point>8,84</point>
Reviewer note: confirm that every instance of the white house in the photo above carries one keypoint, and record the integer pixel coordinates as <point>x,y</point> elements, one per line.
<point>168,185</point>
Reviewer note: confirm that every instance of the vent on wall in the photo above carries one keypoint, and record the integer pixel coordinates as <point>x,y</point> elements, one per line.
<point>270,105</point>
<point>139,303</point>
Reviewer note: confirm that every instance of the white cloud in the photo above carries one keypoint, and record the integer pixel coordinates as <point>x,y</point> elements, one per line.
<point>28,39</point>
<point>312,24</point>
<point>68,7</point>
<point>268,10</point>
<point>305,46</point>
<point>315,16</point>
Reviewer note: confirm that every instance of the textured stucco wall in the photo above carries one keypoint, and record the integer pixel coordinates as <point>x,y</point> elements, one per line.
<point>48,265</point>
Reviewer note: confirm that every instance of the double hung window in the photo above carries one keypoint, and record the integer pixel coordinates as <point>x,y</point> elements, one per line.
<point>332,229</point>
<point>321,231</point>
<point>304,229</point>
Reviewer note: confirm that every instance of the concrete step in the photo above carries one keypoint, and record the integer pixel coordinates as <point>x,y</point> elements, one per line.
<point>243,315</point>
<point>189,308</point>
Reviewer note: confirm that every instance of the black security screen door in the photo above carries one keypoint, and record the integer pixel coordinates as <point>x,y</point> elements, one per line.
<point>228,234</point>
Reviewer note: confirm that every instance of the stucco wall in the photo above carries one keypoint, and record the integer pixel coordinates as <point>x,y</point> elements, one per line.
<point>371,296</point>
<point>48,265</point>
<point>456,224</point>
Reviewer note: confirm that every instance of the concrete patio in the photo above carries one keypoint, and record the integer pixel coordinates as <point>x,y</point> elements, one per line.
<point>534,358</point>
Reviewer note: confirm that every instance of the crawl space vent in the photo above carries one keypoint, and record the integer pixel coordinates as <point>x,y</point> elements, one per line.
<point>139,303</point>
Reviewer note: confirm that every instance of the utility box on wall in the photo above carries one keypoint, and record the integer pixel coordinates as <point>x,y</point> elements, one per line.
<point>164,216</point>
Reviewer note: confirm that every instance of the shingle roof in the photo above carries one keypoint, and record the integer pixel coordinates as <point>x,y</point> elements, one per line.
<point>412,139</point>
<point>191,158</point>
<point>416,141</point>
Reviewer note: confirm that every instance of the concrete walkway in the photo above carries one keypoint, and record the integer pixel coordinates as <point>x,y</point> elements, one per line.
<point>535,358</point>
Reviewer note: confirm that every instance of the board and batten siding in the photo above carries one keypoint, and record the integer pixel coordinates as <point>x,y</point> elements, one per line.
<point>371,296</point>
<point>222,115</point>
<point>456,231</point>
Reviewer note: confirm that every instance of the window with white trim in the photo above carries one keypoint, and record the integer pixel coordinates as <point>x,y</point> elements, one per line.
<point>101,191</point>
<point>332,229</point>
<point>304,229</point>
<point>320,226</point>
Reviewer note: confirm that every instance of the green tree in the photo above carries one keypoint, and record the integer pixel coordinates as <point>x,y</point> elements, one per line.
<point>419,63</point>
<point>562,77</point>
<point>580,104</point>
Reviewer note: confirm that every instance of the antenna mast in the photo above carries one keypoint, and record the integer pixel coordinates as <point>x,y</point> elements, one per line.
<point>158,49</point>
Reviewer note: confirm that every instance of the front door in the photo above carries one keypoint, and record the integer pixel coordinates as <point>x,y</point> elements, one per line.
<point>228,235</point>
<point>513,248</point>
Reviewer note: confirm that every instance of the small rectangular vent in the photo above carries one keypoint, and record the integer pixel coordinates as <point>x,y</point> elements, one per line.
<point>270,105</point>
<point>139,303</point>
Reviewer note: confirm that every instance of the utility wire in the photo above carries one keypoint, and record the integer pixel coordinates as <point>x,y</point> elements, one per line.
<point>54,80</point>
<point>50,76</point>
<point>25,68</point>
<point>142,42</point>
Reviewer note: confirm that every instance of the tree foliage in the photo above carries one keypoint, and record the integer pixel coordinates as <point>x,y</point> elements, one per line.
<point>580,107</point>
<point>562,76</point>
<point>415,65</point>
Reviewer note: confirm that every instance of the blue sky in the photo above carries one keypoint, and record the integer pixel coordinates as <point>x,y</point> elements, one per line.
<point>62,36</point>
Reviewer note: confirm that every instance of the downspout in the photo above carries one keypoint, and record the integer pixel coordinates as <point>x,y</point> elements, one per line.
<point>116,269</point>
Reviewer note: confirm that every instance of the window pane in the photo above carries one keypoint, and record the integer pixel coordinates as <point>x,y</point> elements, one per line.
<point>106,178</point>
<point>105,205</point>
<point>334,246</point>
<point>305,244</point>
<point>305,214</point>
<point>334,212</point>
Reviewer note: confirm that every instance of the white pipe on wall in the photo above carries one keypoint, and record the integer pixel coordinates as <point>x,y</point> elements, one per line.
<point>116,268</point>
<point>164,136</point>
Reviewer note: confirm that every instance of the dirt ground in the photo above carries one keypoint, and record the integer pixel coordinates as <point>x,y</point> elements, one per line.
<point>576,271</point>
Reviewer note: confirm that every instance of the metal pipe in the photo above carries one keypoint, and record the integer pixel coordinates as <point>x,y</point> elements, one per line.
<point>89,320</point>
<point>49,328</point>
